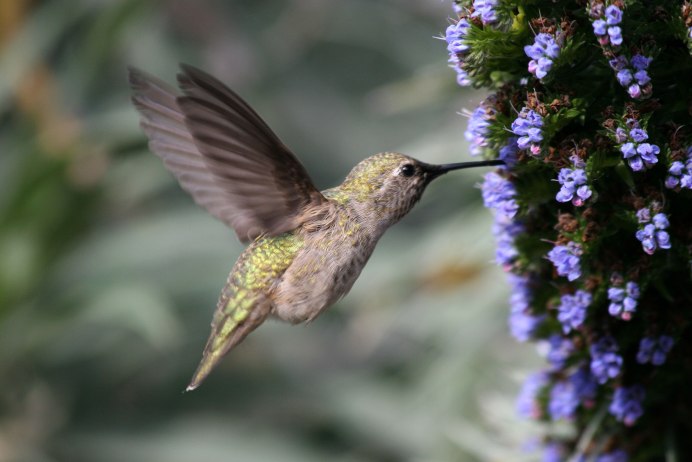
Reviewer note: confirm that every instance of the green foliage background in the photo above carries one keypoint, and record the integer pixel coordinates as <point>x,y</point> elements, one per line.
<point>109,274</point>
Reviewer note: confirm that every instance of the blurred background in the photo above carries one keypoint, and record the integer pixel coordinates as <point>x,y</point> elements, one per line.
<point>109,273</point>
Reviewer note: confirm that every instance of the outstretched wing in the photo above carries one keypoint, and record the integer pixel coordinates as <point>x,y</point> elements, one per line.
<point>223,153</point>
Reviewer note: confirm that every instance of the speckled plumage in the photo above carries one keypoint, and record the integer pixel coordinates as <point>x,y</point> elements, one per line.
<point>308,247</point>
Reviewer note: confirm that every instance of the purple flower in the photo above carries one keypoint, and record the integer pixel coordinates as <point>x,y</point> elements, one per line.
<point>620,135</point>
<point>615,456</point>
<point>613,15</point>
<point>528,127</point>
<point>642,77</point>
<point>639,156</point>
<point>566,260</point>
<point>623,301</point>
<point>627,404</point>
<point>477,130</point>
<point>498,195</point>
<point>553,452</point>
<point>574,187</point>
<point>653,235</point>
<point>585,384</point>
<point>572,310</point>
<point>644,215</point>
<point>508,152</point>
<point>654,350</point>
<point>680,173</point>
<point>505,232</point>
<point>640,62</point>
<point>522,323</point>
<point>563,400</point>
<point>485,9</point>
<point>455,36</point>
<point>559,350</point>
<point>615,35</point>
<point>542,53</point>
<point>624,76</point>
<point>599,27</point>
<point>527,403</point>
<point>639,135</point>
<point>648,153</point>
<point>618,63</point>
<point>605,362</point>
<point>634,90</point>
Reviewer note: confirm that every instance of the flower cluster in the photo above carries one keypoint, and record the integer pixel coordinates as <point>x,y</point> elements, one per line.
<point>680,173</point>
<point>566,259</point>
<point>477,130</point>
<point>623,300</point>
<point>635,150</point>
<point>528,127</point>
<point>655,350</point>
<point>606,26</point>
<point>653,234</point>
<point>522,323</point>
<point>455,35</point>
<point>485,10</point>
<point>606,363</point>
<point>580,161</point>
<point>542,53</point>
<point>632,74</point>
<point>627,404</point>
<point>572,310</point>
<point>573,185</point>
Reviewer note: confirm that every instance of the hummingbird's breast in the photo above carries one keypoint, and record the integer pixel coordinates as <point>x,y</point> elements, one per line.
<point>337,246</point>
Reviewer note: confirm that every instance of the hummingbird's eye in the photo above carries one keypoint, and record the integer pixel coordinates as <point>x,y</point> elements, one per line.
<point>408,170</point>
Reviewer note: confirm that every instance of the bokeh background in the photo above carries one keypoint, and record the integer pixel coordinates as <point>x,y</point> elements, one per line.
<point>109,273</point>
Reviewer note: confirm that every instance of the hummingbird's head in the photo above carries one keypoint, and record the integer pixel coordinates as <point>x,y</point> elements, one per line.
<point>390,183</point>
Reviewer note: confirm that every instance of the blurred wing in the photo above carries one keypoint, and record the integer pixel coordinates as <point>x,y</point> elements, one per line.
<point>223,153</point>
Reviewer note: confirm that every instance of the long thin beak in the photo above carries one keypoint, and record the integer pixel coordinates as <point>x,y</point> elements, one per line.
<point>436,170</point>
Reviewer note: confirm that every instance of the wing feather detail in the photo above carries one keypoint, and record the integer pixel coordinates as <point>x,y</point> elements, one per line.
<point>223,154</point>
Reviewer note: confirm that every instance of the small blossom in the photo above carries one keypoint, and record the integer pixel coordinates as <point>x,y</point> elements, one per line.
<point>654,350</point>
<point>574,187</point>
<point>653,235</point>
<point>542,53</point>
<point>477,130</point>
<point>680,173</point>
<point>485,9</point>
<point>605,362</point>
<point>566,260</point>
<point>623,301</point>
<point>639,155</point>
<point>528,127</point>
<point>615,35</point>
<point>627,404</point>
<point>572,310</point>
<point>527,402</point>
<point>640,62</point>
<point>613,15</point>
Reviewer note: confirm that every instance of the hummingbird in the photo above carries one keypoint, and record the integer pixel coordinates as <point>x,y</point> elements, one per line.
<point>306,247</point>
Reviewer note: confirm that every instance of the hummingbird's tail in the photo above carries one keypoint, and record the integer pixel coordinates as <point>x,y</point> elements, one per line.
<point>228,329</point>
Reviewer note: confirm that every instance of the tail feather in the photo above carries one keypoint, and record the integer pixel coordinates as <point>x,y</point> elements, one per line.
<point>226,333</point>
